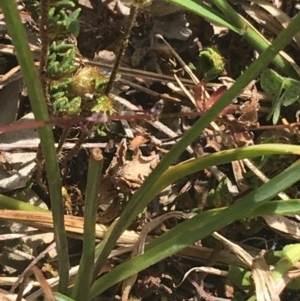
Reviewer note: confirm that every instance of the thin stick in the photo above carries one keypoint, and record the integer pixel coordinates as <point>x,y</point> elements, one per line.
<point>62,140</point>
<point>121,51</point>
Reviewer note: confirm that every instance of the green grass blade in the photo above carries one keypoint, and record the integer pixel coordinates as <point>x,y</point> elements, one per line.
<point>276,207</point>
<point>141,198</point>
<point>189,167</point>
<point>289,257</point>
<point>61,297</point>
<point>206,12</point>
<point>85,274</point>
<point>38,104</point>
<point>7,202</point>
<point>197,228</point>
<point>253,36</point>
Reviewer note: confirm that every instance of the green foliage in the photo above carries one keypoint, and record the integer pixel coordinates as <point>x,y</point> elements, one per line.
<point>89,84</point>
<point>61,21</point>
<point>72,89</point>
<point>289,257</point>
<point>61,67</point>
<point>61,60</point>
<point>240,277</point>
<point>210,63</point>
<point>285,91</point>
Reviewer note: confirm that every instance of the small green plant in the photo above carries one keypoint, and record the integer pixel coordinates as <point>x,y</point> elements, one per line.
<point>61,64</point>
<point>285,91</point>
<point>72,89</point>
<point>60,21</point>
<point>210,63</point>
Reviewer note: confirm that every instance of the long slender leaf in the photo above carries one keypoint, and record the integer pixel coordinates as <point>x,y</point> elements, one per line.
<point>38,104</point>
<point>85,274</point>
<point>206,12</point>
<point>186,168</point>
<point>253,36</point>
<point>7,202</point>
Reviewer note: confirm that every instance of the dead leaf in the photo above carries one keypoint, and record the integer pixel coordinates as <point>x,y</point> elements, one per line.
<point>238,172</point>
<point>129,175</point>
<point>265,286</point>
<point>47,267</point>
<point>111,212</point>
<point>105,56</point>
<point>137,141</point>
<point>286,226</point>
<point>107,192</point>
<point>111,4</point>
<point>249,112</point>
<point>133,173</point>
<point>86,3</point>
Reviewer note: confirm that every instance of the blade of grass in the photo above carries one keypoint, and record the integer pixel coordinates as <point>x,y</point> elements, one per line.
<point>85,273</point>
<point>276,207</point>
<point>197,228</point>
<point>141,198</point>
<point>206,12</point>
<point>7,202</point>
<point>186,168</point>
<point>253,36</point>
<point>38,104</point>
<point>61,297</point>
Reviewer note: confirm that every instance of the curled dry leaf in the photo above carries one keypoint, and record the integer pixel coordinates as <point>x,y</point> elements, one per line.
<point>129,175</point>
<point>110,213</point>
<point>249,112</point>
<point>105,56</point>
<point>123,175</point>
<point>287,227</point>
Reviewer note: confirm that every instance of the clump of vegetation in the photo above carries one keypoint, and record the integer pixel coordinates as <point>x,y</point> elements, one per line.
<point>72,87</point>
